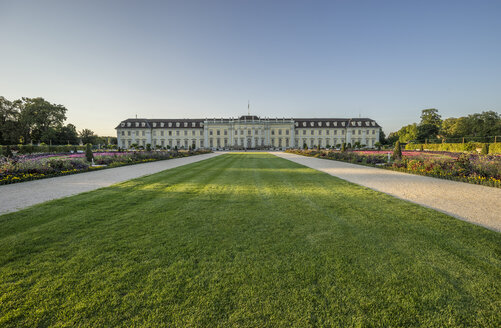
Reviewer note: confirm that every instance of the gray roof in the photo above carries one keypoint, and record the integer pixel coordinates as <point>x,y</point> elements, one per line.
<point>198,122</point>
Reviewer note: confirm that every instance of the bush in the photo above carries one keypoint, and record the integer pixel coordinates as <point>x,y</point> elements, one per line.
<point>485,149</point>
<point>8,152</point>
<point>343,146</point>
<point>397,152</point>
<point>148,147</point>
<point>495,148</point>
<point>88,152</point>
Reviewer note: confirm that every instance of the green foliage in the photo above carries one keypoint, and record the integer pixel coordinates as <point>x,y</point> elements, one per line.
<point>88,152</point>
<point>495,148</point>
<point>378,145</point>
<point>407,133</point>
<point>397,152</point>
<point>224,253</point>
<point>485,149</point>
<point>343,146</point>
<point>88,136</point>
<point>456,147</point>
<point>148,147</point>
<point>305,146</point>
<point>7,152</point>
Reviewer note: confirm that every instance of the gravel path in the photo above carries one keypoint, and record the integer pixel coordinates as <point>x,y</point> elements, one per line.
<point>17,196</point>
<point>474,203</point>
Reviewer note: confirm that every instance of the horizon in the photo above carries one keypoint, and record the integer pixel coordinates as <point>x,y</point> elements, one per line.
<point>106,62</point>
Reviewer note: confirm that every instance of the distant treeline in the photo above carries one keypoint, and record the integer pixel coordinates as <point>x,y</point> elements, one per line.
<point>35,121</point>
<point>481,127</point>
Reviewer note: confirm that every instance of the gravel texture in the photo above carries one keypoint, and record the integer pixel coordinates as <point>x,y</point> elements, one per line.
<point>17,196</point>
<point>473,203</point>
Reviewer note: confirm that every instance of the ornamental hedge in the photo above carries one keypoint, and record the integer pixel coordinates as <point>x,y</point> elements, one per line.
<point>494,148</point>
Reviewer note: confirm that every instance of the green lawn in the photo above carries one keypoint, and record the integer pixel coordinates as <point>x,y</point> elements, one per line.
<point>247,240</point>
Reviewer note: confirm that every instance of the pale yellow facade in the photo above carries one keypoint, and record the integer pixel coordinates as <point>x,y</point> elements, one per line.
<point>247,132</point>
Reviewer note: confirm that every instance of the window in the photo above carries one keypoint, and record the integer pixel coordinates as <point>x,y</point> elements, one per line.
<point>123,133</point>
<point>142,133</point>
<point>210,133</point>
<point>154,133</point>
<point>218,132</point>
<point>272,132</point>
<point>249,132</point>
<point>201,133</point>
<point>170,133</point>
<point>312,132</point>
<point>373,131</point>
<point>225,132</point>
<point>335,132</point>
<point>193,132</point>
<point>185,132</point>
<point>359,132</point>
<point>162,133</point>
<point>177,133</point>
<point>319,132</point>
<point>236,132</point>
<point>280,132</point>
<point>304,132</point>
<point>286,132</point>
<point>327,132</point>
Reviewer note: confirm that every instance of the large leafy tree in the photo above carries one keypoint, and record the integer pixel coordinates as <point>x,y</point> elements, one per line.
<point>37,117</point>
<point>88,136</point>
<point>408,133</point>
<point>9,115</point>
<point>430,124</point>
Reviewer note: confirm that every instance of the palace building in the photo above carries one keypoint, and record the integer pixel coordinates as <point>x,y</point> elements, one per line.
<point>247,132</point>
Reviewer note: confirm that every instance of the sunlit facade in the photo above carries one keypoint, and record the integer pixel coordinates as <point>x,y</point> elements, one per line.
<point>247,132</point>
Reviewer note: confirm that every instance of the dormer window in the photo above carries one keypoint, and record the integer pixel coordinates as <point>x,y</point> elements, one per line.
<point>319,123</point>
<point>335,124</point>
<point>366,123</point>
<point>193,124</point>
<point>304,123</point>
<point>201,125</point>
<point>342,123</point>
<point>154,125</point>
<point>359,123</point>
<point>177,124</point>
<point>170,124</point>
<point>312,124</point>
<point>185,124</point>
<point>128,123</point>
<point>143,124</point>
<point>296,124</point>
<point>137,124</point>
<point>162,124</point>
<point>327,123</point>
<point>373,123</point>
<point>123,124</point>
<point>352,123</point>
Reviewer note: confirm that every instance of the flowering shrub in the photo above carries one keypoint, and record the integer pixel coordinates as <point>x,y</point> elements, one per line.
<point>464,167</point>
<point>31,167</point>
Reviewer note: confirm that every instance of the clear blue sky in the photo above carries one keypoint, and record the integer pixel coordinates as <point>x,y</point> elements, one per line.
<point>387,60</point>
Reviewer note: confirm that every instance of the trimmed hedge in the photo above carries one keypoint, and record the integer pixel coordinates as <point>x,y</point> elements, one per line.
<point>30,149</point>
<point>494,148</point>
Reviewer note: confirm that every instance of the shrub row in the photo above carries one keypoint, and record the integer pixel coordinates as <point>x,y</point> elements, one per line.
<point>31,149</point>
<point>494,148</point>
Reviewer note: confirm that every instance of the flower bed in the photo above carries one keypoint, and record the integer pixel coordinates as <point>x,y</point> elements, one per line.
<point>39,166</point>
<point>471,168</point>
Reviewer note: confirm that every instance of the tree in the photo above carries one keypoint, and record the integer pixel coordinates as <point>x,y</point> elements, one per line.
<point>37,116</point>
<point>382,137</point>
<point>378,145</point>
<point>397,152</point>
<point>343,146</point>
<point>9,129</point>
<point>430,124</point>
<point>392,138</point>
<point>407,133</point>
<point>88,152</point>
<point>485,149</point>
<point>87,136</point>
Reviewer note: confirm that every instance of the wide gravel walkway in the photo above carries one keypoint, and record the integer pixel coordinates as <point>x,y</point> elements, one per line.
<point>474,203</point>
<point>17,196</point>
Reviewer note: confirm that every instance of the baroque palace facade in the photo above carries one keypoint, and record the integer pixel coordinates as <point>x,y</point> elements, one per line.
<point>247,132</point>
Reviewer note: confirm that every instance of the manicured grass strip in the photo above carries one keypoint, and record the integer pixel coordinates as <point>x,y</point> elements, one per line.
<point>248,240</point>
